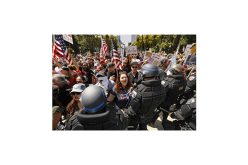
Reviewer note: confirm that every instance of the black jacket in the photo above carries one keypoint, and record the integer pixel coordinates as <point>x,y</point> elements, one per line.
<point>108,119</point>
<point>176,85</point>
<point>134,79</point>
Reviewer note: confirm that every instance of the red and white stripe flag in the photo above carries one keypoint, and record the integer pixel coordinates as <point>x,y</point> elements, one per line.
<point>104,48</point>
<point>60,50</point>
<point>117,61</point>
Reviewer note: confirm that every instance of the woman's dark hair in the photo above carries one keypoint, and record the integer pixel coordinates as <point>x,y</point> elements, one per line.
<point>118,85</point>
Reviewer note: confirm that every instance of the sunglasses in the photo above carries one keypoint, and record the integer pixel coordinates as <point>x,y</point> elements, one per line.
<point>75,93</point>
<point>134,67</point>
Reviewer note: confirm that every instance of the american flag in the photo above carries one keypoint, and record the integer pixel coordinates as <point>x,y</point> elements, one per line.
<point>104,48</point>
<point>115,57</point>
<point>114,52</point>
<point>117,61</point>
<point>60,49</point>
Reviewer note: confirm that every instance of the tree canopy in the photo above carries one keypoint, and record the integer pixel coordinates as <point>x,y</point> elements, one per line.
<point>167,43</point>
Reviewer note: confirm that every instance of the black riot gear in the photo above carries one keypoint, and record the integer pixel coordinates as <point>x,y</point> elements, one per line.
<point>176,83</point>
<point>185,116</point>
<point>107,119</point>
<point>146,98</point>
<point>191,87</point>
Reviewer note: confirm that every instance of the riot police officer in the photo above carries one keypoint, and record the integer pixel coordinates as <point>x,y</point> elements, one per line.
<point>190,89</point>
<point>176,83</point>
<point>146,97</point>
<point>185,117</point>
<point>96,114</point>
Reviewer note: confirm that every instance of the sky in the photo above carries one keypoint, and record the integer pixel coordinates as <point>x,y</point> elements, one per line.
<point>126,39</point>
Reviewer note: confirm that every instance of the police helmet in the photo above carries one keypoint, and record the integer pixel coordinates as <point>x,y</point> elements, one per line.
<point>178,68</point>
<point>93,99</point>
<point>149,70</point>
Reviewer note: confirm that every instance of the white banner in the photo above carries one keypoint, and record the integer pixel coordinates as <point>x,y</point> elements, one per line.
<point>68,38</point>
<point>155,59</point>
<point>131,50</point>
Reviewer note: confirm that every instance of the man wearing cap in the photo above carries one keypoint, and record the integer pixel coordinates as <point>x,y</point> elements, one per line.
<point>66,72</point>
<point>134,76</point>
<point>75,105</point>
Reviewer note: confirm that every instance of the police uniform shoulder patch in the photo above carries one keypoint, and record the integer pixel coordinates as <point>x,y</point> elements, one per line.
<point>191,78</point>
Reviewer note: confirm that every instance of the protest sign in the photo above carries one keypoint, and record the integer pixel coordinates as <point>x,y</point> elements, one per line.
<point>131,50</point>
<point>187,52</point>
<point>155,59</point>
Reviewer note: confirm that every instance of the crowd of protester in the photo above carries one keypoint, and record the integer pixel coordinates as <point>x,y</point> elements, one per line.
<point>69,84</point>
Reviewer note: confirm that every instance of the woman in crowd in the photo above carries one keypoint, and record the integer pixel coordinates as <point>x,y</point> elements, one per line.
<point>120,92</point>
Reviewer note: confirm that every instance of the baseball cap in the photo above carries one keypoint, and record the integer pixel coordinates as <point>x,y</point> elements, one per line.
<point>78,87</point>
<point>134,62</point>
